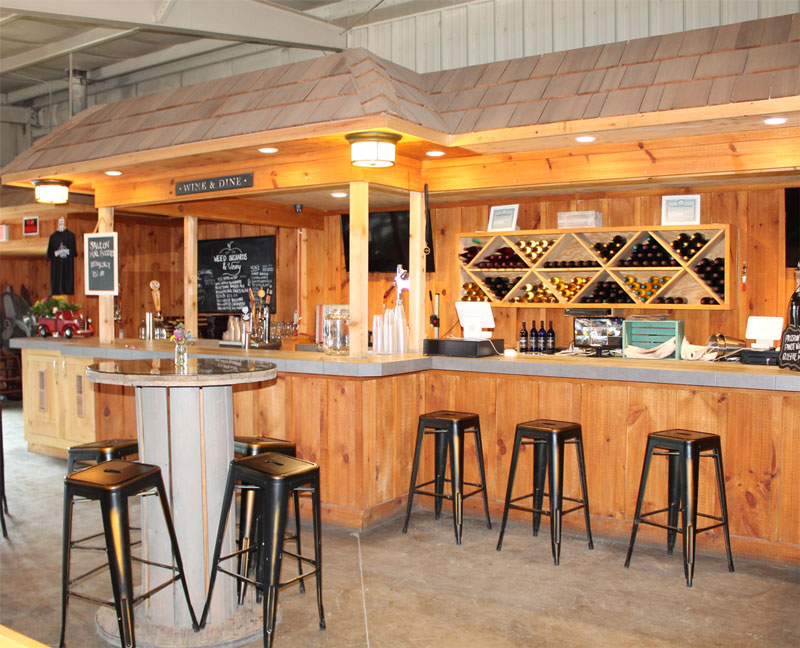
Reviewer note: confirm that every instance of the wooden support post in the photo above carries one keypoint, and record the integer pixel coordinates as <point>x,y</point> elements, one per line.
<point>190,273</point>
<point>359,267</point>
<point>105,306</point>
<point>416,271</point>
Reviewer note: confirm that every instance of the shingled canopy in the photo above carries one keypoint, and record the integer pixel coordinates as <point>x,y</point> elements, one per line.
<point>716,83</point>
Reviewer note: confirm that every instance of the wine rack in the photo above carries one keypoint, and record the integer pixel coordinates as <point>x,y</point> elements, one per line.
<point>672,267</point>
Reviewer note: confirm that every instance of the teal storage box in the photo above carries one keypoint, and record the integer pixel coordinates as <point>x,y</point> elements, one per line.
<point>650,333</point>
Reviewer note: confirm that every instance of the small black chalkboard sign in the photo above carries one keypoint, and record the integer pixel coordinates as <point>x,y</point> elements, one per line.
<point>789,355</point>
<point>100,263</point>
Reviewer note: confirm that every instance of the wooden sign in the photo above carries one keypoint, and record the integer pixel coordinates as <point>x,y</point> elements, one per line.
<point>789,355</point>
<point>220,183</point>
<point>100,264</point>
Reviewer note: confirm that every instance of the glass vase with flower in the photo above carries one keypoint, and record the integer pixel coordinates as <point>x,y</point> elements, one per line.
<point>182,338</point>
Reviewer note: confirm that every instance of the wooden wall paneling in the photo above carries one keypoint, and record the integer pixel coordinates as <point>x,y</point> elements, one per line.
<point>115,412</point>
<point>475,218</point>
<point>446,226</point>
<point>245,409</point>
<point>621,210</point>
<point>309,424</point>
<point>766,252</point>
<point>377,455</point>
<point>753,483</point>
<point>552,208</point>
<point>529,216</point>
<point>287,273</point>
<point>343,451</point>
<point>313,276</point>
<point>649,410</point>
<point>789,458</point>
<point>603,410</point>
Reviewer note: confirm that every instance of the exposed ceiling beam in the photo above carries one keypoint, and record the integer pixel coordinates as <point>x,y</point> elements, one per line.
<point>240,20</point>
<point>44,53</point>
<point>15,115</point>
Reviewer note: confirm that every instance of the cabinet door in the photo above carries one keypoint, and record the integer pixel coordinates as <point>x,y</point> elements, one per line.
<point>41,401</point>
<point>78,394</point>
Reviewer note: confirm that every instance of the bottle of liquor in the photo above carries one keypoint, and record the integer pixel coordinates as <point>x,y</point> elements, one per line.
<point>550,339</point>
<point>794,302</point>
<point>542,335</point>
<point>523,338</point>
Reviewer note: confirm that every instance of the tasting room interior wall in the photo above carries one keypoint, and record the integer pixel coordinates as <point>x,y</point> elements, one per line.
<point>152,248</point>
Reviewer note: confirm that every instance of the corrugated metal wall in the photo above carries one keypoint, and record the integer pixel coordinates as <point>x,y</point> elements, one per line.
<point>495,30</point>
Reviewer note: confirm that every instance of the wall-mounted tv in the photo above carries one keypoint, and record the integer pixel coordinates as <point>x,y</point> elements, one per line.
<point>388,241</point>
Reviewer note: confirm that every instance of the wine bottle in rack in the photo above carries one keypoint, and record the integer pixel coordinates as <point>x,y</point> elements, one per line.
<point>541,344</point>
<point>550,339</point>
<point>523,338</point>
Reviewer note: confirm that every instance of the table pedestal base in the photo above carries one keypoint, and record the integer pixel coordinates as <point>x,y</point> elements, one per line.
<point>242,628</point>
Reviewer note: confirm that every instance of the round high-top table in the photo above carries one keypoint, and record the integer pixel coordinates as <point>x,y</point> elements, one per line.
<point>184,421</point>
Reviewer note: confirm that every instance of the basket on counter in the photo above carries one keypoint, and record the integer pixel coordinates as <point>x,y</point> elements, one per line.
<point>649,333</point>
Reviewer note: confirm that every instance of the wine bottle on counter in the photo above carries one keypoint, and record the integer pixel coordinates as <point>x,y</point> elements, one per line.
<point>794,301</point>
<point>523,338</point>
<point>550,339</point>
<point>542,342</point>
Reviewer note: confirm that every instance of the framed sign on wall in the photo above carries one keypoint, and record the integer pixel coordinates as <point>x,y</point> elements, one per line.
<point>100,264</point>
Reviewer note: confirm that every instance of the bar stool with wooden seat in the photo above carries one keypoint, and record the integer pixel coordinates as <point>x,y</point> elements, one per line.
<point>683,449</point>
<point>244,446</point>
<point>276,476</point>
<point>99,451</point>
<point>548,439</point>
<point>112,483</point>
<point>448,429</point>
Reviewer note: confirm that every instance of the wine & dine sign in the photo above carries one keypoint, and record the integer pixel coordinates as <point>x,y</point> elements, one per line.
<point>220,183</point>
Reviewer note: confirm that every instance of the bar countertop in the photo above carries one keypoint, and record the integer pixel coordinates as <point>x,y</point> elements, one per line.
<point>669,372</point>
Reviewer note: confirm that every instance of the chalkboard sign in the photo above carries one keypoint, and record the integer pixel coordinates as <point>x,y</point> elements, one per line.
<point>100,264</point>
<point>789,355</point>
<point>228,268</point>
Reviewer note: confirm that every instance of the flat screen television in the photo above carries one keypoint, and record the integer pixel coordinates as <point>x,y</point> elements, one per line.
<point>599,333</point>
<point>388,241</point>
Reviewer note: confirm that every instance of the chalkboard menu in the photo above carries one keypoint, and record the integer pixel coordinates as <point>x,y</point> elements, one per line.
<point>789,355</point>
<point>100,263</point>
<point>228,268</point>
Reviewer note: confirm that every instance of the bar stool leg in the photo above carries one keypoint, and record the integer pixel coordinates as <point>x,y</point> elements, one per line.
<point>642,485</point>
<point>539,474</point>
<point>457,475</point>
<point>556,496</point>
<point>414,469</point>
<point>317,517</point>
<point>723,504</point>
<point>440,469</point>
<point>690,473</point>
<point>585,491</point>
<point>227,498</point>
<point>273,527</point>
<point>482,470</point>
<point>65,561</point>
<point>296,499</point>
<point>674,497</point>
<point>511,474</point>
<point>118,547</point>
<point>246,528</point>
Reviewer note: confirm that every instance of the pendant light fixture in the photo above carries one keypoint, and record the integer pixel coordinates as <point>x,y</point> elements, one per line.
<point>372,148</point>
<point>51,192</point>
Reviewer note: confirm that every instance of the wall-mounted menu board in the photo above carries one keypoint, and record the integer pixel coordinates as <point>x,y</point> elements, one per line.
<point>100,261</point>
<point>228,268</point>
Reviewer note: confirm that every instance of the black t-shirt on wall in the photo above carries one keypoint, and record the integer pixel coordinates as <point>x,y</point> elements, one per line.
<point>61,251</point>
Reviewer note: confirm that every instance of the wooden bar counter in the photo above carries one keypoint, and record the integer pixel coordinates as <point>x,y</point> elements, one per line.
<point>357,419</point>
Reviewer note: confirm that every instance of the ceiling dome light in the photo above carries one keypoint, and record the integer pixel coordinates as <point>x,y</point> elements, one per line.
<point>113,173</point>
<point>372,149</point>
<point>268,149</point>
<point>51,192</point>
<point>775,121</point>
<point>434,153</point>
<point>585,139</point>
<point>339,194</point>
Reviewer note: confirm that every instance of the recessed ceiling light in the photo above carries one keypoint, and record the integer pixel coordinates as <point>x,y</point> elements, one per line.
<point>268,149</point>
<point>434,153</point>
<point>114,173</point>
<point>775,121</point>
<point>339,194</point>
<point>585,139</point>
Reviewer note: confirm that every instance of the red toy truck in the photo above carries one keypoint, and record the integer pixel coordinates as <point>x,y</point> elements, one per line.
<point>66,323</point>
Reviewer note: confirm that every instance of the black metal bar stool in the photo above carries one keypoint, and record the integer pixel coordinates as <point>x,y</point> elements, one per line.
<point>99,451</point>
<point>449,429</point>
<point>248,527</point>
<point>683,449</point>
<point>548,439</point>
<point>112,483</point>
<point>276,475</point>
<point>3,500</point>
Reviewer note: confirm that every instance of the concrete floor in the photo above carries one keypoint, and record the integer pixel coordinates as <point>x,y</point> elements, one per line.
<point>384,589</point>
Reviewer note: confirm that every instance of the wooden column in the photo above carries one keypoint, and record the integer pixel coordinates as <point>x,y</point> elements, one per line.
<point>190,273</point>
<point>416,271</point>
<point>105,307</point>
<point>359,260</point>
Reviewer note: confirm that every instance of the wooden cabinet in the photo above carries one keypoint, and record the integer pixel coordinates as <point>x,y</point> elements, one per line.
<point>622,267</point>
<point>58,402</point>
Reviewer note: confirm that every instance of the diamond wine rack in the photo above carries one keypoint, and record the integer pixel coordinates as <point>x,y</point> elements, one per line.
<point>675,267</point>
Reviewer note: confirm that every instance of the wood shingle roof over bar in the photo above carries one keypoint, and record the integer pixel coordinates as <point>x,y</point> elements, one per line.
<point>501,107</point>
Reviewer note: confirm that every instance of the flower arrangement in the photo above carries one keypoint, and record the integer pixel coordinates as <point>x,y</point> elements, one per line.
<point>53,304</point>
<point>181,335</point>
